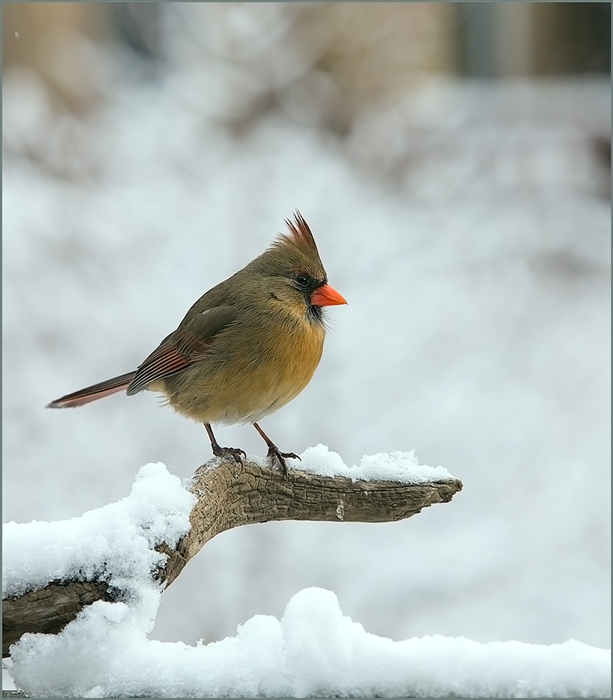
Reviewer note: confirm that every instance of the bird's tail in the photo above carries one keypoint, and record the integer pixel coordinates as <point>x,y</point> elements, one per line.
<point>94,392</point>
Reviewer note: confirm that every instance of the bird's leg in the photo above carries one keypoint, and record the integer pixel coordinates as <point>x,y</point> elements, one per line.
<point>236,454</point>
<point>274,452</point>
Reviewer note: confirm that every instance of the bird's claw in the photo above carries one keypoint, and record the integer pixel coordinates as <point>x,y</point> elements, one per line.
<point>230,452</point>
<point>275,453</point>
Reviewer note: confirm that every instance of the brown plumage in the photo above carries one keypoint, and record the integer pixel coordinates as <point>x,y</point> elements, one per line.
<point>245,348</point>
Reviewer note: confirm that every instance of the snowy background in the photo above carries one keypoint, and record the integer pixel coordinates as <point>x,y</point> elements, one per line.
<point>467,223</point>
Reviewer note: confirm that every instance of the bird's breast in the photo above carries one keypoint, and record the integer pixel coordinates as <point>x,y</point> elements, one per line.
<point>254,369</point>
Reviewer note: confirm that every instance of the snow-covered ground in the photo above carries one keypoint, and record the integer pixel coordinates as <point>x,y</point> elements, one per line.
<point>313,650</point>
<point>467,230</point>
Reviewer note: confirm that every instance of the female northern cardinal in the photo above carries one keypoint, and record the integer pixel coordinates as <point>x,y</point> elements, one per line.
<point>245,348</point>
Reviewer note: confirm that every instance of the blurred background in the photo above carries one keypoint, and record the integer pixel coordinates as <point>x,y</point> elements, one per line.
<point>453,161</point>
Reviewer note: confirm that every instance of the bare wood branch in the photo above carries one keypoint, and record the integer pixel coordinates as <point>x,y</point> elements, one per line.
<point>230,495</point>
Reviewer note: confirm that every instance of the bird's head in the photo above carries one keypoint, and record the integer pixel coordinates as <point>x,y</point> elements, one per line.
<point>293,272</point>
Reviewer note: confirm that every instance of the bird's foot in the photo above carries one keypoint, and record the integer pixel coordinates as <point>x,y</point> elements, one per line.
<point>275,454</point>
<point>229,452</point>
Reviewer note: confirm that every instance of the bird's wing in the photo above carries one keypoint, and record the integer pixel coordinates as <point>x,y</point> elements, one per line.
<point>189,343</point>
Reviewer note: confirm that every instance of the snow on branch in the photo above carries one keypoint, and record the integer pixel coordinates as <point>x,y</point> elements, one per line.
<point>52,571</point>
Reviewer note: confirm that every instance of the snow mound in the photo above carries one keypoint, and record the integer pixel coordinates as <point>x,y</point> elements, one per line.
<point>314,650</point>
<point>114,543</point>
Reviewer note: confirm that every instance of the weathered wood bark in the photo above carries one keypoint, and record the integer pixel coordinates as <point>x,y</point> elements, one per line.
<point>230,495</point>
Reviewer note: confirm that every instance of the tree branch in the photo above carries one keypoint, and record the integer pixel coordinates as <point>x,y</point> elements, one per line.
<point>230,495</point>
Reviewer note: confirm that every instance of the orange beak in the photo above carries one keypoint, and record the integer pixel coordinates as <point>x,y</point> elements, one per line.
<point>327,296</point>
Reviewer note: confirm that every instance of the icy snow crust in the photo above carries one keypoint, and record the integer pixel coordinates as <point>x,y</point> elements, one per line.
<point>314,650</point>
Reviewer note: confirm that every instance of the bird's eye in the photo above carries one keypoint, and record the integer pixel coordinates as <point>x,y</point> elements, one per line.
<point>302,280</point>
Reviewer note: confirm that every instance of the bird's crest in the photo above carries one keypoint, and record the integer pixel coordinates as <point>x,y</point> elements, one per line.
<point>292,251</point>
<point>300,234</point>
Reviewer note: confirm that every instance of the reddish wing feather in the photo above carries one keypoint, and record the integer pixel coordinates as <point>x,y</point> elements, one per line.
<point>190,343</point>
<point>179,350</point>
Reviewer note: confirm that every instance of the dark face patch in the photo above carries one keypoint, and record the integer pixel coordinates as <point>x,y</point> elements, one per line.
<point>306,285</point>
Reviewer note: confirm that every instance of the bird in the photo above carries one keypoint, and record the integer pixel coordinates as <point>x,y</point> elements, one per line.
<point>244,349</point>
